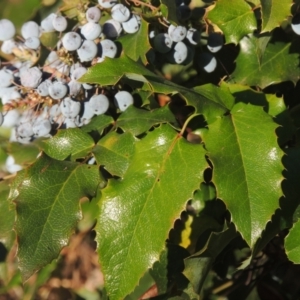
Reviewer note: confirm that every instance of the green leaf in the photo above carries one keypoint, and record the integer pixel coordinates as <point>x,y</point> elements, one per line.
<point>274,105</point>
<point>206,192</point>
<point>261,45</point>
<point>72,142</point>
<point>71,8</point>
<point>159,272</point>
<point>7,216</point>
<point>23,154</point>
<point>292,244</point>
<point>19,11</point>
<point>138,121</point>
<point>273,13</point>
<point>98,123</point>
<point>112,70</point>
<point>164,172</point>
<point>114,152</point>
<point>279,63</point>
<point>49,39</point>
<point>247,167</point>
<point>199,264</point>
<point>145,283</point>
<point>137,45</point>
<point>169,11</point>
<point>220,95</point>
<point>47,198</point>
<point>235,22</point>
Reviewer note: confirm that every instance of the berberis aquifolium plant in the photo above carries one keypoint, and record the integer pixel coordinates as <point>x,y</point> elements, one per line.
<point>173,126</point>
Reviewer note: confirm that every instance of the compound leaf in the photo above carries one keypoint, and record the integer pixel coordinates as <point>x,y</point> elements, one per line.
<point>137,45</point>
<point>47,198</point>
<point>138,121</point>
<point>199,264</point>
<point>98,123</point>
<point>235,22</point>
<point>273,13</point>
<point>114,151</point>
<point>292,244</point>
<point>280,62</point>
<point>164,172</point>
<point>111,71</point>
<point>72,142</point>
<point>7,216</point>
<point>247,167</point>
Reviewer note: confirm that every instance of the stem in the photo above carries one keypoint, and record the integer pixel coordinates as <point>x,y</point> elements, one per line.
<point>186,123</point>
<point>7,177</point>
<point>139,3</point>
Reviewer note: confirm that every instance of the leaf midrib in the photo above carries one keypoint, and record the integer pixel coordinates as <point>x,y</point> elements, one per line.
<point>266,62</point>
<point>159,172</point>
<point>55,200</point>
<point>244,171</point>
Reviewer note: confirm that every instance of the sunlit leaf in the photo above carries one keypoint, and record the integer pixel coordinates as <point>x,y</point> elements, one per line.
<point>137,45</point>
<point>114,152</point>
<point>47,198</point>
<point>143,205</point>
<point>98,123</point>
<point>247,167</point>
<point>280,62</point>
<point>235,22</point>
<point>72,142</point>
<point>273,13</point>
<point>138,121</point>
<point>112,70</point>
<point>7,216</point>
<point>292,244</point>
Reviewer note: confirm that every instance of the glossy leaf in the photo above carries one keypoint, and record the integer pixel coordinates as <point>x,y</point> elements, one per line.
<point>47,198</point>
<point>220,95</point>
<point>235,22</point>
<point>247,167</point>
<point>137,121</point>
<point>292,244</point>
<point>279,63</point>
<point>73,143</point>
<point>112,70</point>
<point>261,45</point>
<point>274,105</point>
<point>98,123</point>
<point>114,152</point>
<point>137,45</point>
<point>7,216</point>
<point>144,205</point>
<point>273,13</point>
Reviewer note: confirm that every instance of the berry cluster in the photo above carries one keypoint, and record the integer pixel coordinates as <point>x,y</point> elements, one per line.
<point>178,44</point>
<point>38,100</point>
